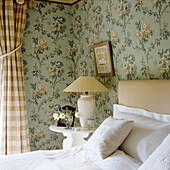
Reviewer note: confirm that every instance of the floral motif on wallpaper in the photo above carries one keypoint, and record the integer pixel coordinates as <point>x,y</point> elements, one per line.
<point>57,49</point>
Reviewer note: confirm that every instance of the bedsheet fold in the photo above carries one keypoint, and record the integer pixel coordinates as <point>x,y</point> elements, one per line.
<point>44,160</point>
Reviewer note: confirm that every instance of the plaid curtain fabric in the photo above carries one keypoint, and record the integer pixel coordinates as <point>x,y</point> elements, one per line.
<point>14,135</point>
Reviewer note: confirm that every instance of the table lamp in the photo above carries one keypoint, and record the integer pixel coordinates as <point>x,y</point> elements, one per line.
<point>86,103</point>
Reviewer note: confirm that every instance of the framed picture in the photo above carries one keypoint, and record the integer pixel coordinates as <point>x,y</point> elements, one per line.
<point>61,122</point>
<point>102,59</point>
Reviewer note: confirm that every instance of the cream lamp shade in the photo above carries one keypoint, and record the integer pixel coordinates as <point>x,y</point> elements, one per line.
<point>86,84</point>
<point>86,103</point>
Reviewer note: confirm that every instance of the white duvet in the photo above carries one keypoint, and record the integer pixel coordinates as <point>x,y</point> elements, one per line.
<point>73,159</point>
<point>117,161</point>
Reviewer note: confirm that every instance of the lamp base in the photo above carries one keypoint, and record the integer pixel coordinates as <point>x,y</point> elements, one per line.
<point>86,105</point>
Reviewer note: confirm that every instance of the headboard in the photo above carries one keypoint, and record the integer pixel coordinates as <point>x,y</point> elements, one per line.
<point>152,95</point>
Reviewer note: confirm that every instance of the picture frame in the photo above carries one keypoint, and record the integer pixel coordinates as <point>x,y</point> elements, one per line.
<point>103,59</point>
<point>61,122</point>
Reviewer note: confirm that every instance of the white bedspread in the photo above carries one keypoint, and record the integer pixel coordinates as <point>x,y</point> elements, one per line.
<point>47,160</point>
<point>73,159</point>
<point>117,161</point>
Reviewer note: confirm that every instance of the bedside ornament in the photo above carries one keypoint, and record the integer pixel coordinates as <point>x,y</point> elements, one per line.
<point>90,123</point>
<point>66,115</point>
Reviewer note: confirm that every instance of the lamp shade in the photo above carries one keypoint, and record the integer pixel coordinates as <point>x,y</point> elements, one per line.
<point>86,84</point>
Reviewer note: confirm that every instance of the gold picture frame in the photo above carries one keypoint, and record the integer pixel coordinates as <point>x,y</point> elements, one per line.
<point>102,59</point>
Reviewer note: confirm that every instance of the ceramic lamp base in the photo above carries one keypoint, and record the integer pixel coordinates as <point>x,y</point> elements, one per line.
<point>86,105</point>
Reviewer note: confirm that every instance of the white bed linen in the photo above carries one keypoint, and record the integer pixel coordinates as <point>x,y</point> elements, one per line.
<point>73,159</point>
<point>116,161</point>
<point>124,109</point>
<point>146,135</point>
<point>47,160</point>
<point>108,136</point>
<point>160,159</point>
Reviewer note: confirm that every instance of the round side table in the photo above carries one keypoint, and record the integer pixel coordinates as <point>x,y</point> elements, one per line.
<point>75,136</point>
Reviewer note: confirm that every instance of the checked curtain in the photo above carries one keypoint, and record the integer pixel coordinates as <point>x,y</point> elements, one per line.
<point>14,135</point>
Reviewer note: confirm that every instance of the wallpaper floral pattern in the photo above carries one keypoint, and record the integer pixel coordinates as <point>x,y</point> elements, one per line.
<point>57,49</point>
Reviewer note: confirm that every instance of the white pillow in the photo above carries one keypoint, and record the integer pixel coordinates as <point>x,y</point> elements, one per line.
<point>119,108</point>
<point>160,159</point>
<point>146,135</point>
<point>108,136</point>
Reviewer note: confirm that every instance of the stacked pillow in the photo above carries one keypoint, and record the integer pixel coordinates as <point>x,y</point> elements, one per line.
<point>109,136</point>
<point>124,109</point>
<point>146,135</point>
<point>160,159</point>
<point>139,141</point>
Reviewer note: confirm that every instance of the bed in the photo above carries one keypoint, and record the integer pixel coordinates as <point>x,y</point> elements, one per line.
<point>144,109</point>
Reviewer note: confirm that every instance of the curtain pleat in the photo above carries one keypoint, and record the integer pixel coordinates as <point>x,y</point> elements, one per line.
<point>14,135</point>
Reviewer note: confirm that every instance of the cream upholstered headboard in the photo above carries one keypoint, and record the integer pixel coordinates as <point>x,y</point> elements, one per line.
<point>152,95</point>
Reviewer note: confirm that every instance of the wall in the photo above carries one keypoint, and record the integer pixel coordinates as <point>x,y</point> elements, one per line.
<point>46,66</point>
<point>58,48</point>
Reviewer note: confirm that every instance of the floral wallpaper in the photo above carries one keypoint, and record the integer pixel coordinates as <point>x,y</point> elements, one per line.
<point>57,49</point>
